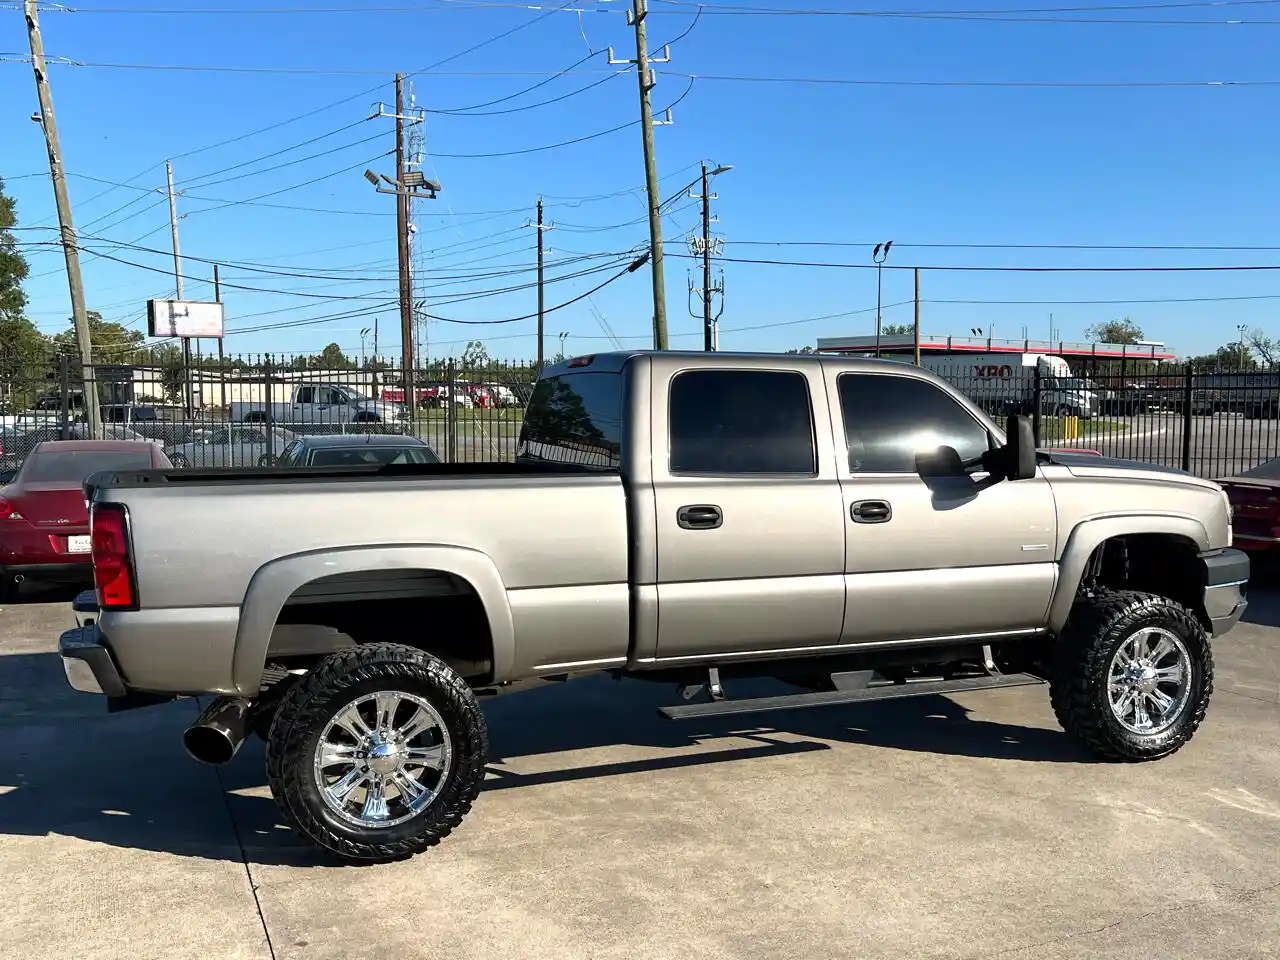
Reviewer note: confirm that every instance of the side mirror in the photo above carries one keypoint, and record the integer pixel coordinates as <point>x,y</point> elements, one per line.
<point>1019,449</point>
<point>943,462</point>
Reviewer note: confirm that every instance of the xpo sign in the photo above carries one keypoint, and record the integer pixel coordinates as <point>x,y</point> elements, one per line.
<point>990,371</point>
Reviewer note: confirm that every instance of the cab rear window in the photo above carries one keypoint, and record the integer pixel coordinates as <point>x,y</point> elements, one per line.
<point>574,418</point>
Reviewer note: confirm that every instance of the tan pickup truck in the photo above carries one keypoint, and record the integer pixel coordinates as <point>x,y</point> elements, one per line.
<point>854,528</point>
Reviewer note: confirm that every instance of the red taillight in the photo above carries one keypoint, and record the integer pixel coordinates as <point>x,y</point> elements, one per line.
<point>112,571</point>
<point>7,512</point>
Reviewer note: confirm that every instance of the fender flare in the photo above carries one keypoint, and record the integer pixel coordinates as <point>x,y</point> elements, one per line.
<point>1086,536</point>
<point>274,582</point>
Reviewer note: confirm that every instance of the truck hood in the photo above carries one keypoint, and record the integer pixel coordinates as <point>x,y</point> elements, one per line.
<point>1087,465</point>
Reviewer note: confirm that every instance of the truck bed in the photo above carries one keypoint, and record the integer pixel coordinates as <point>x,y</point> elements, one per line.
<point>223,476</point>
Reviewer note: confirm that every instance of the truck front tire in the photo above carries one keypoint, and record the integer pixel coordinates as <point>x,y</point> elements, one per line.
<point>1132,675</point>
<point>377,753</point>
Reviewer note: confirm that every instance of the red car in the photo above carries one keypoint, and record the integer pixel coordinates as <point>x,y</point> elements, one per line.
<point>1255,506</point>
<point>44,522</point>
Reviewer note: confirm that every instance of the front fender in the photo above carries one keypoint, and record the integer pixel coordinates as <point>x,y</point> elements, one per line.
<point>276,581</point>
<point>1085,538</point>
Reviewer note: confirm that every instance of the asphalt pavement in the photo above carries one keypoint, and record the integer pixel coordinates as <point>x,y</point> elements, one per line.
<point>1220,445</point>
<point>965,827</point>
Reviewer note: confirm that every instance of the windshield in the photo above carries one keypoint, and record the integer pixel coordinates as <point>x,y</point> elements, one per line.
<point>367,454</point>
<point>76,465</point>
<point>354,394</point>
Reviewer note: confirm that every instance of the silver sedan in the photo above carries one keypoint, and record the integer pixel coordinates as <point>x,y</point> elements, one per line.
<point>230,446</point>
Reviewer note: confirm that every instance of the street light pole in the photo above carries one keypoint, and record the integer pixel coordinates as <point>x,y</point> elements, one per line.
<point>1242,328</point>
<point>878,256</point>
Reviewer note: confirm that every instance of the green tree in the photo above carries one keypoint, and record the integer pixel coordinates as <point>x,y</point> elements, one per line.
<point>896,329</point>
<point>475,355</point>
<point>1123,330</point>
<point>20,341</point>
<point>1267,349</point>
<point>112,342</point>
<point>332,358</point>
<point>805,350</point>
<point>1229,356</point>
<point>13,265</point>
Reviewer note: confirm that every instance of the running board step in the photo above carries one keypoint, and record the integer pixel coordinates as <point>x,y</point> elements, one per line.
<point>825,698</point>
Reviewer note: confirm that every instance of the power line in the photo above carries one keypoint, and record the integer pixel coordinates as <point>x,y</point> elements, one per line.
<point>630,268</point>
<point>1082,84</point>
<point>1004,246</point>
<point>554,146</point>
<point>195,181</point>
<point>994,269</point>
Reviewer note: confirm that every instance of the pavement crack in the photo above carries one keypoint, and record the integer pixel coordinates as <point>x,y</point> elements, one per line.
<point>244,862</point>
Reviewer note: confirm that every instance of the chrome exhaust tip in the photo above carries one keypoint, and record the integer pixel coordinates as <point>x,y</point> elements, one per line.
<point>219,731</point>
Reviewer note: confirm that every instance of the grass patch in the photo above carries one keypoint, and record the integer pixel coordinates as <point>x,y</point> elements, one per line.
<point>480,415</point>
<point>1054,429</point>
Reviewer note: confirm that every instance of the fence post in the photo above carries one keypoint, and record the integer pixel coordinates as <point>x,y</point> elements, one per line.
<point>64,381</point>
<point>1186,418</point>
<point>451,413</point>
<point>270,408</point>
<point>1035,405</point>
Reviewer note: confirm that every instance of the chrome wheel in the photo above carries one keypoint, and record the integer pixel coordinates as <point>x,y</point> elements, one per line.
<point>1149,680</point>
<point>382,759</point>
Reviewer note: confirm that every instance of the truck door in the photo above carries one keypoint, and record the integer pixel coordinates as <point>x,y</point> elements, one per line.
<point>750,540</point>
<point>939,557</point>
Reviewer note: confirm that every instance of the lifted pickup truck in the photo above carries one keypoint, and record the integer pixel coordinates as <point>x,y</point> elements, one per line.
<point>855,528</point>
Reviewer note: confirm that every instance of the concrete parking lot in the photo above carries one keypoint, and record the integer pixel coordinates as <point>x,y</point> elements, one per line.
<point>959,828</point>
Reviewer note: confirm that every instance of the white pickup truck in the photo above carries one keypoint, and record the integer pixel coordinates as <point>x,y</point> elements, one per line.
<point>320,403</point>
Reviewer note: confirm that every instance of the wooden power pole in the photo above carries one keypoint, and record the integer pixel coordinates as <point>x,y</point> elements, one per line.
<point>915,339</point>
<point>70,251</point>
<point>177,282</point>
<point>402,252</point>
<point>638,13</point>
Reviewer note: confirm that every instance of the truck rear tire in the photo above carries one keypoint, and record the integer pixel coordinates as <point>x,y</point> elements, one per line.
<point>377,753</point>
<point>1132,675</point>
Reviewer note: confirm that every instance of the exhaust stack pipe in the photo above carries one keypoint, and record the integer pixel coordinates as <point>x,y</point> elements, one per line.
<point>219,730</point>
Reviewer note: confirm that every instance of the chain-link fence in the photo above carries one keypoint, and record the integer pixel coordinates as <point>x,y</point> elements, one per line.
<point>246,410</point>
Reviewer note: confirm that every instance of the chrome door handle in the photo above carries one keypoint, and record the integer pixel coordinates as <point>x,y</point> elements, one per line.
<point>699,516</point>
<point>871,511</point>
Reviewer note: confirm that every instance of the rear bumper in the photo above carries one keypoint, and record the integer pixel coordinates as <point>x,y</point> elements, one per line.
<point>88,664</point>
<point>90,668</point>
<point>1226,586</point>
<point>60,571</point>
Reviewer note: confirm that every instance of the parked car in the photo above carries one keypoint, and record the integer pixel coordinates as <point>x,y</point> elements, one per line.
<point>335,450</point>
<point>319,403</point>
<point>44,518</point>
<point>1255,506</point>
<point>230,445</point>
<point>692,518</point>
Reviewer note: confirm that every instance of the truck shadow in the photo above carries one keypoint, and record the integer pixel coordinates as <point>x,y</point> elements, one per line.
<point>123,780</point>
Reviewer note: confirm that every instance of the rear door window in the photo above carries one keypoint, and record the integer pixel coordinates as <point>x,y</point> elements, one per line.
<point>574,418</point>
<point>740,422</point>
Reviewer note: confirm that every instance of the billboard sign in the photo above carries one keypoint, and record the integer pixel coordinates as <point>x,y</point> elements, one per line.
<point>184,318</point>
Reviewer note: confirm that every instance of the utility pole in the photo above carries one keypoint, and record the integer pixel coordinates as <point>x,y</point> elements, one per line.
<point>222,369</point>
<point>707,345</point>
<point>402,252</point>
<point>177,280</point>
<point>375,339</point>
<point>70,251</point>
<point>636,17</point>
<point>916,333</point>
<point>541,226</point>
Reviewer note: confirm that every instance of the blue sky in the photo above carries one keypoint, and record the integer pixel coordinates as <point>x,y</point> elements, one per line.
<point>852,164</point>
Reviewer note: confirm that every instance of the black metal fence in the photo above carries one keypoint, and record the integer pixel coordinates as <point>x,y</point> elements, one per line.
<point>244,411</point>
<point>1212,424</point>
